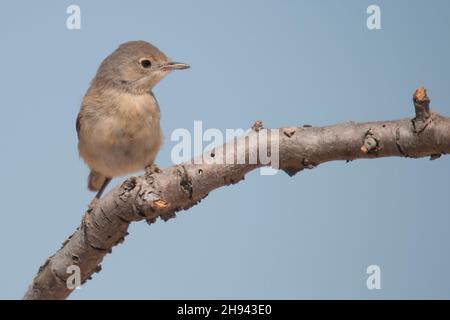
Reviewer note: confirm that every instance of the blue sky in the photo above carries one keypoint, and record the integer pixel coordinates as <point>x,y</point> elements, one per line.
<point>285,62</point>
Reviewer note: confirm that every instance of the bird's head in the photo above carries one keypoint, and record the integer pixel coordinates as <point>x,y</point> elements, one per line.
<point>135,66</point>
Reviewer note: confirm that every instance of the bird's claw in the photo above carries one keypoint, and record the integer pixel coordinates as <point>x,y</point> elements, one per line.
<point>151,169</point>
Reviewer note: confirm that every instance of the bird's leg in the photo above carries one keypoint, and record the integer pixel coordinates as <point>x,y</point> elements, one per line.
<point>103,187</point>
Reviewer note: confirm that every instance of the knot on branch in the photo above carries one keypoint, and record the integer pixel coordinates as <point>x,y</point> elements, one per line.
<point>151,205</point>
<point>422,107</point>
<point>289,132</point>
<point>371,143</point>
<point>258,125</point>
<point>126,188</point>
<point>308,164</point>
<point>186,181</point>
<point>421,104</point>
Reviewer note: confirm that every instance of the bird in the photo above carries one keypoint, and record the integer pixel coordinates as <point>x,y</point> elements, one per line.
<point>118,125</point>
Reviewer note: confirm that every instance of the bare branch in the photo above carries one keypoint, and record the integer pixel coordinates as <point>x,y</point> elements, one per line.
<point>163,193</point>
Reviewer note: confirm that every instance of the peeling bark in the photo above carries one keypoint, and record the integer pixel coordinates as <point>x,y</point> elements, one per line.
<point>162,193</point>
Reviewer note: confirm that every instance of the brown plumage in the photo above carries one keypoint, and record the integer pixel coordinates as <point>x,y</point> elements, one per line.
<point>118,124</point>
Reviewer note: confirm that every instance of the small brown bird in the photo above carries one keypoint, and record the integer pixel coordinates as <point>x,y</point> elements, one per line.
<point>118,124</point>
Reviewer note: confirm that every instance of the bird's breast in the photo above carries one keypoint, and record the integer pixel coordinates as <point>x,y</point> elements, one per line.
<point>136,122</point>
<point>126,138</point>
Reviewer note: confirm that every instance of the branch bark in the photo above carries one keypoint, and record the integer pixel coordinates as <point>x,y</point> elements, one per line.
<point>163,193</point>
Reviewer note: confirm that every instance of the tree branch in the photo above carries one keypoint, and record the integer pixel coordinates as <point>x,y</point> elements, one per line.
<point>163,193</point>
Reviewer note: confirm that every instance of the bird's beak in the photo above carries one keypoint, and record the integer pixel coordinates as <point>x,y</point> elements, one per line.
<point>176,66</point>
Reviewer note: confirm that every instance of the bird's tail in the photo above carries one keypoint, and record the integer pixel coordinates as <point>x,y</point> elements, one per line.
<point>95,180</point>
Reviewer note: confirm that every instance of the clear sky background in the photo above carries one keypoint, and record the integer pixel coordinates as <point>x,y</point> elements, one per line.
<point>285,62</point>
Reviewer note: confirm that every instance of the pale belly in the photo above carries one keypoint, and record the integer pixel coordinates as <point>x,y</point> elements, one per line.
<point>121,144</point>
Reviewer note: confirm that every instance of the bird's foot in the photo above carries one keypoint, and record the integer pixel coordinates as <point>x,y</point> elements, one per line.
<point>151,169</point>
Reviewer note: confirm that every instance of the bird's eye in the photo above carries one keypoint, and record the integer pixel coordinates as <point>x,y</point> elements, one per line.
<point>145,63</point>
